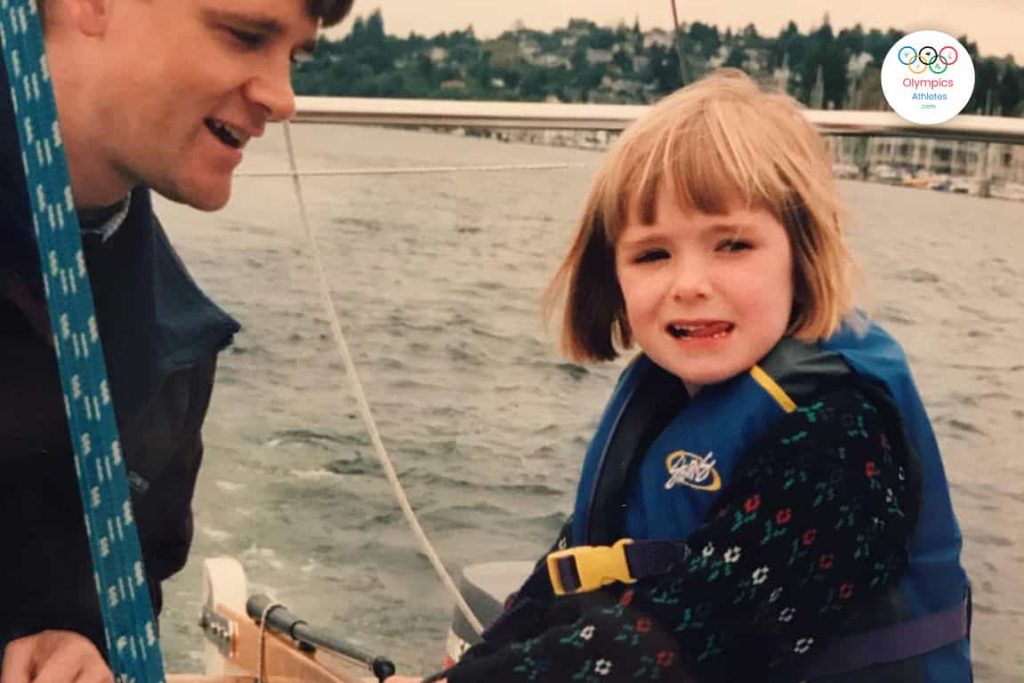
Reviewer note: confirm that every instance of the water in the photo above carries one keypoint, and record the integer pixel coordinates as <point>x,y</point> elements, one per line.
<point>438,280</point>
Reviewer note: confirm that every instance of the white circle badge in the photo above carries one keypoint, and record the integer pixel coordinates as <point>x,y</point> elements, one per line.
<point>928,77</point>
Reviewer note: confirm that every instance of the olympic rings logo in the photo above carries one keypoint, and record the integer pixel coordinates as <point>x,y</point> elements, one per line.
<point>928,59</point>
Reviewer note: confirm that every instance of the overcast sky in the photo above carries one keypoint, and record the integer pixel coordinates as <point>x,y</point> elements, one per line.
<point>996,25</point>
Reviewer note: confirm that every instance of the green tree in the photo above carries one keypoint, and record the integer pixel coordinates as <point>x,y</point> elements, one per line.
<point>368,62</point>
<point>737,56</point>
<point>703,40</point>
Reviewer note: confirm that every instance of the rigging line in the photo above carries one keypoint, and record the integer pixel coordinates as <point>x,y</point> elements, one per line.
<point>364,405</point>
<point>679,45</point>
<point>261,676</point>
<point>410,170</point>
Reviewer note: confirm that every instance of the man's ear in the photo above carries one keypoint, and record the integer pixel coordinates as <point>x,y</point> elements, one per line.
<point>89,16</point>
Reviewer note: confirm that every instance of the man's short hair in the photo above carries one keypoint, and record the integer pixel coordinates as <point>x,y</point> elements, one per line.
<point>329,12</point>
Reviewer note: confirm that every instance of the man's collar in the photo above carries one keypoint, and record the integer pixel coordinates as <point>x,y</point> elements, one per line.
<point>104,221</point>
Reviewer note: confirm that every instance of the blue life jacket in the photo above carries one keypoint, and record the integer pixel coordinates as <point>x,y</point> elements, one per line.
<point>668,492</point>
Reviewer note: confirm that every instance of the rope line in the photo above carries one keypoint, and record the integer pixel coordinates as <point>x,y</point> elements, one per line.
<point>412,170</point>
<point>364,406</point>
<point>679,45</point>
<point>261,676</point>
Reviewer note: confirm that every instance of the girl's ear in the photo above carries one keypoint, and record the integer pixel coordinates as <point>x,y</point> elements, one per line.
<point>90,17</point>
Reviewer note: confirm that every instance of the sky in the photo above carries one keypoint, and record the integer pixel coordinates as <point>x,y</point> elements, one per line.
<point>995,25</point>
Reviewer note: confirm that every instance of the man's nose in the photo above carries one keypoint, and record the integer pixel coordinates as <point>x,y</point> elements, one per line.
<point>273,93</point>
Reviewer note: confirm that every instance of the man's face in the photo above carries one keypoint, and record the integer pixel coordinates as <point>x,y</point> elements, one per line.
<point>184,84</point>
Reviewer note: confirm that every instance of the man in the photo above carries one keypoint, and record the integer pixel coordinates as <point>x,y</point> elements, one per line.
<point>151,94</point>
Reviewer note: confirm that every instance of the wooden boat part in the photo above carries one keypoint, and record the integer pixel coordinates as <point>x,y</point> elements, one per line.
<point>232,639</point>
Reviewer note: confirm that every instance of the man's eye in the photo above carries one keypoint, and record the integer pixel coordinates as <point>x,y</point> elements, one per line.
<point>733,245</point>
<point>249,39</point>
<point>650,255</point>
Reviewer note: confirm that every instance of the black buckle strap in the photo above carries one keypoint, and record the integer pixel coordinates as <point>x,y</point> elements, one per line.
<point>891,643</point>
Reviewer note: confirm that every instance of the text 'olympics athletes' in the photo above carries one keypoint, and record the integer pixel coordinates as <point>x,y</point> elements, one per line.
<point>928,77</point>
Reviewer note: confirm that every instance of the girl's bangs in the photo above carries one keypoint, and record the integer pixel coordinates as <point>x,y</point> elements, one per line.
<point>713,160</point>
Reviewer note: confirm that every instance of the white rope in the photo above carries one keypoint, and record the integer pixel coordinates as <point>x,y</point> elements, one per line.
<point>364,406</point>
<point>410,170</point>
<point>262,647</point>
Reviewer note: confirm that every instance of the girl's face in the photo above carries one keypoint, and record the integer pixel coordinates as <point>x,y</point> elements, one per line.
<point>707,295</point>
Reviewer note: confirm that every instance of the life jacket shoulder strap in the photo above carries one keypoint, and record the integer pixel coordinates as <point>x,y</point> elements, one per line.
<point>800,369</point>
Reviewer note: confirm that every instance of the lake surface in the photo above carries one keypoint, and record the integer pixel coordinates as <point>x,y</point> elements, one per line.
<point>437,279</point>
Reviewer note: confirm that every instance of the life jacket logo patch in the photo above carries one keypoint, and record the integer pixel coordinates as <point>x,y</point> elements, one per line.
<point>696,471</point>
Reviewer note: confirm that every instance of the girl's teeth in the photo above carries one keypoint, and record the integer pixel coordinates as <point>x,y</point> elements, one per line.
<point>687,332</point>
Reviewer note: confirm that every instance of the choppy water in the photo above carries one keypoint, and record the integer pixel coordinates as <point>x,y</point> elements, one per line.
<point>438,279</point>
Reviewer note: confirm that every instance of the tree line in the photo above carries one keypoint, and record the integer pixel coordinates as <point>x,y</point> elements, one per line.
<point>584,62</point>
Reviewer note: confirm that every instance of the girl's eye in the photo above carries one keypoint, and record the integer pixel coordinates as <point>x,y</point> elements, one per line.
<point>733,245</point>
<point>650,255</point>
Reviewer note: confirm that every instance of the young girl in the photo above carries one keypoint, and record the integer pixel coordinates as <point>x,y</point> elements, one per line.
<point>764,498</point>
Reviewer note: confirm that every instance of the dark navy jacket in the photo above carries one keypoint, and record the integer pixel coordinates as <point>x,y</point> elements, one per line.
<point>160,335</point>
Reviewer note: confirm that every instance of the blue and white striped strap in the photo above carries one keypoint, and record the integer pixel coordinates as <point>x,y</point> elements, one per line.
<point>116,554</point>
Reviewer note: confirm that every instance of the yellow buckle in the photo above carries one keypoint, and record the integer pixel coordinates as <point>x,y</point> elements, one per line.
<point>596,565</point>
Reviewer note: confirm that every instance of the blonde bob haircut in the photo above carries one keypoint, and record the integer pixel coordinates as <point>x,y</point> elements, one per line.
<point>718,143</point>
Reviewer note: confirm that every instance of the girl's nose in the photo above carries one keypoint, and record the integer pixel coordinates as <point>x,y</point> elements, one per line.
<point>691,280</point>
